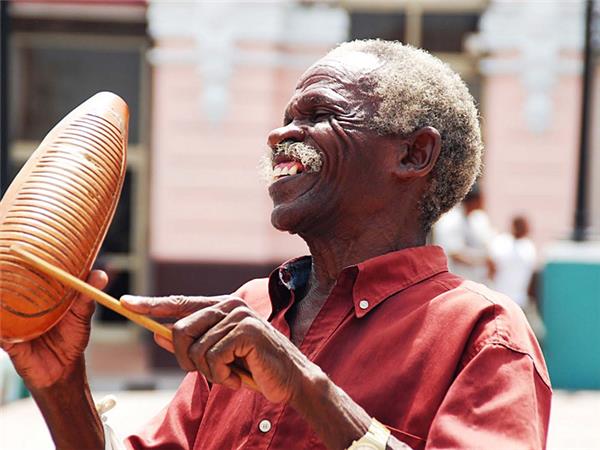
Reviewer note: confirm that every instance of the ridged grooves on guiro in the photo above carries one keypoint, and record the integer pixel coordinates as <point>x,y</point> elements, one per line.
<point>50,212</point>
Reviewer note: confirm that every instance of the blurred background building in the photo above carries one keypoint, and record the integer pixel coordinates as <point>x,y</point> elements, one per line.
<point>206,82</point>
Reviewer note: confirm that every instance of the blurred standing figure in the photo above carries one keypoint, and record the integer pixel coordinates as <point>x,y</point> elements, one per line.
<point>512,266</point>
<point>513,258</point>
<point>465,233</point>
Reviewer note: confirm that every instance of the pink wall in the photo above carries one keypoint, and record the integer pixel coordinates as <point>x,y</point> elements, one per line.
<point>526,172</point>
<point>207,201</point>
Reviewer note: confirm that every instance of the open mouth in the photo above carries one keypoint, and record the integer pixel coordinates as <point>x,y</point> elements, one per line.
<point>290,177</point>
<point>290,159</point>
<point>286,168</point>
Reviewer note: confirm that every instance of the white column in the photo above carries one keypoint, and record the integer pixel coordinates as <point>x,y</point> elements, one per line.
<point>217,27</point>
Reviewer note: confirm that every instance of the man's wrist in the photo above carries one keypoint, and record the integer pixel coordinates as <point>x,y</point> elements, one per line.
<point>334,416</point>
<point>313,386</point>
<point>69,410</point>
<point>71,376</point>
<point>375,438</point>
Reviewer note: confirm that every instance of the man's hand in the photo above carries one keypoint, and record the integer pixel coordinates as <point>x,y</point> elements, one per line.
<point>51,357</point>
<point>214,333</point>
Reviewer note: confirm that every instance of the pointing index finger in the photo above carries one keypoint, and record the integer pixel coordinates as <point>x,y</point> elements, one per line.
<point>175,306</point>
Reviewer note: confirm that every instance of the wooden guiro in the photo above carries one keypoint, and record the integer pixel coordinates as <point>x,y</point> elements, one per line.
<point>58,208</point>
<point>54,217</point>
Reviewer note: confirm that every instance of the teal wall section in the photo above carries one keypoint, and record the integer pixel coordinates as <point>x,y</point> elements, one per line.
<point>571,311</point>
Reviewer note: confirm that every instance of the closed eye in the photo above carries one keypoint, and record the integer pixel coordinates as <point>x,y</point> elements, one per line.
<point>321,115</point>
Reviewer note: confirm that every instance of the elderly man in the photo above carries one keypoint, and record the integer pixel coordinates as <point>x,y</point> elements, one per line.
<point>367,343</point>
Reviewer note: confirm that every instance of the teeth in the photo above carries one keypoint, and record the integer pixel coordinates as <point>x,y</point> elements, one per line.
<point>283,169</point>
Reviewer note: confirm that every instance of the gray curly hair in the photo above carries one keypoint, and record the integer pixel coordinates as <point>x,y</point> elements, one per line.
<point>418,90</point>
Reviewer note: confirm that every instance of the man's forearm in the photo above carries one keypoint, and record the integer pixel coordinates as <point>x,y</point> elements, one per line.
<point>335,417</point>
<point>69,412</point>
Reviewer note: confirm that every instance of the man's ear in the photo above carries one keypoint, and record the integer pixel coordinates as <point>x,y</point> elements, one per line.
<point>420,153</point>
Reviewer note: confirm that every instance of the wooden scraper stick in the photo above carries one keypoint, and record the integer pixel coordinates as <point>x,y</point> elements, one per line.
<point>104,299</point>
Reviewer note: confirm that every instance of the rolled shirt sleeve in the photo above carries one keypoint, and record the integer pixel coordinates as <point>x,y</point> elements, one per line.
<point>177,424</point>
<point>499,400</point>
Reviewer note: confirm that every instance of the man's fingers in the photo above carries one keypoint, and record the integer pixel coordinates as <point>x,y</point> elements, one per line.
<point>196,316</point>
<point>83,307</point>
<point>187,330</point>
<point>233,381</point>
<point>213,334</point>
<point>164,343</point>
<point>98,279</point>
<point>238,343</point>
<point>176,306</point>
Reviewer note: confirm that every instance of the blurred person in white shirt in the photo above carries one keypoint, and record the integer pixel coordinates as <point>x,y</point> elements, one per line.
<point>513,259</point>
<point>512,266</point>
<point>465,233</point>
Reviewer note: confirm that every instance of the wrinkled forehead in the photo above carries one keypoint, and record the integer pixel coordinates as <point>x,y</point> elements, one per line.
<point>344,69</point>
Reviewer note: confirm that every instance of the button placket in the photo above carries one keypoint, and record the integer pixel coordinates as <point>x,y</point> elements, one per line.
<point>264,427</point>
<point>332,314</point>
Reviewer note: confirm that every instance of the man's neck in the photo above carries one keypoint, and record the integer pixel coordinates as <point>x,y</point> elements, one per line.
<point>333,252</point>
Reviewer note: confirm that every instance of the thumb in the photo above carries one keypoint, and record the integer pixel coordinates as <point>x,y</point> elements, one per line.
<point>176,306</point>
<point>163,342</point>
<point>83,307</point>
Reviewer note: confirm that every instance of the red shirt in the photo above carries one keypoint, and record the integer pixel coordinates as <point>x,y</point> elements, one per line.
<point>443,362</point>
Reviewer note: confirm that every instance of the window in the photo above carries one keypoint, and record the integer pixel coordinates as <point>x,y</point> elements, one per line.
<point>56,65</point>
<point>54,78</point>
<point>440,29</point>
<point>366,25</point>
<point>444,32</point>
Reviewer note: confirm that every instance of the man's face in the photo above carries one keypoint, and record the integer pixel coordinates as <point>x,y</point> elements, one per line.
<point>329,114</point>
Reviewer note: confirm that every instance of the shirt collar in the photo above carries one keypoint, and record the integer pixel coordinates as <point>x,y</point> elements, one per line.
<point>373,280</point>
<point>380,277</point>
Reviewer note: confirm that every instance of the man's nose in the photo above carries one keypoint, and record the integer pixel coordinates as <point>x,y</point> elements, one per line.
<point>290,132</point>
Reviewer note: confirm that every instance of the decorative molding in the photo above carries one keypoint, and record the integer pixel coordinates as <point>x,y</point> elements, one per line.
<point>536,41</point>
<point>270,58</point>
<point>286,22</point>
<point>105,12</point>
<point>216,29</point>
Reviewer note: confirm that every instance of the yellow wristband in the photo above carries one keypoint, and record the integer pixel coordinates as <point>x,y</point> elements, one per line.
<point>375,438</point>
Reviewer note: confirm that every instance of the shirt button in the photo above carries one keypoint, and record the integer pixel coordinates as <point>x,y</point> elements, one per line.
<point>363,304</point>
<point>264,426</point>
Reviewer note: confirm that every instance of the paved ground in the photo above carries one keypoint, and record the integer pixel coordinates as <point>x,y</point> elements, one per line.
<point>575,422</point>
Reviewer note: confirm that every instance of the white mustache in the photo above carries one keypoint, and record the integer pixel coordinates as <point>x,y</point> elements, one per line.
<point>309,156</point>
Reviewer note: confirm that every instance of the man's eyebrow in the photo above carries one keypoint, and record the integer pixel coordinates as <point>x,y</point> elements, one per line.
<point>319,97</point>
<point>310,99</point>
